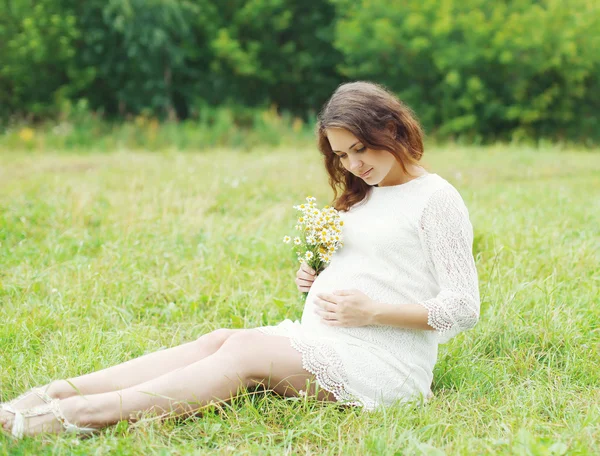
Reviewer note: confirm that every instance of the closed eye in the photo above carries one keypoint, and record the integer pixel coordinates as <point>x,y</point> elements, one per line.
<point>358,151</point>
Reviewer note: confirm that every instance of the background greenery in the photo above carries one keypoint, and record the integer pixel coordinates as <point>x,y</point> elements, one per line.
<point>107,256</point>
<point>128,222</point>
<point>475,69</point>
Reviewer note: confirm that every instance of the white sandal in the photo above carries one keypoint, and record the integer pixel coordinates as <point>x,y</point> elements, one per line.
<point>37,391</point>
<point>18,427</point>
<point>10,405</point>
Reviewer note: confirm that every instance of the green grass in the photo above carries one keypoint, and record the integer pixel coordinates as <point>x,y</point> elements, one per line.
<point>104,257</point>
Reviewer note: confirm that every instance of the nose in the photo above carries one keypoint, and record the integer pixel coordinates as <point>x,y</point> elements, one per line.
<point>355,163</point>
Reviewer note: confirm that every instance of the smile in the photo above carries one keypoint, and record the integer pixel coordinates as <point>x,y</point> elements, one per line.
<point>366,174</point>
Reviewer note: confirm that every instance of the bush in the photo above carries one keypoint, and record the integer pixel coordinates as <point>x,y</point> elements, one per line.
<point>481,69</point>
<point>470,69</point>
<point>37,50</point>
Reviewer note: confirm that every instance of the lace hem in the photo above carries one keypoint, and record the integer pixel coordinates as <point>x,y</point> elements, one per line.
<point>436,317</point>
<point>325,364</point>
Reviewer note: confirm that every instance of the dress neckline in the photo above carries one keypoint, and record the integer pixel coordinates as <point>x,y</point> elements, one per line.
<point>389,188</point>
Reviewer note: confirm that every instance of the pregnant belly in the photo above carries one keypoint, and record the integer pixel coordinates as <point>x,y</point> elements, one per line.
<point>385,342</point>
<point>337,277</point>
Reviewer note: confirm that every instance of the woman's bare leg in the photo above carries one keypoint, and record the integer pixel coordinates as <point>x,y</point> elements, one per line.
<point>245,359</point>
<point>132,372</point>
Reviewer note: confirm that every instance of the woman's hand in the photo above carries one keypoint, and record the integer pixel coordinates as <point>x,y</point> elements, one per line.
<point>345,308</point>
<point>305,277</point>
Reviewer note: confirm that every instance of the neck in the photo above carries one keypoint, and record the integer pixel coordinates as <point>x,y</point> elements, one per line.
<point>400,177</point>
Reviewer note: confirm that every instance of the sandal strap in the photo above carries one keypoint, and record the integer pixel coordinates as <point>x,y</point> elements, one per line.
<point>18,426</point>
<point>53,406</point>
<point>42,394</point>
<point>8,407</point>
<point>38,391</point>
<point>59,415</point>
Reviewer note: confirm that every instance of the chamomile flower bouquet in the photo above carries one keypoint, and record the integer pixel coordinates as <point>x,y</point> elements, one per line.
<point>320,234</point>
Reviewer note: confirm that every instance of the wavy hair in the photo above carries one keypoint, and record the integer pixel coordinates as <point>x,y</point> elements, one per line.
<point>380,121</point>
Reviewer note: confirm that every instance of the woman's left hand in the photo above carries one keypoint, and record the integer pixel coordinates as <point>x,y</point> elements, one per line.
<point>345,308</point>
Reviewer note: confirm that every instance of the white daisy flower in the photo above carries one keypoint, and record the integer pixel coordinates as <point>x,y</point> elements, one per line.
<point>321,229</point>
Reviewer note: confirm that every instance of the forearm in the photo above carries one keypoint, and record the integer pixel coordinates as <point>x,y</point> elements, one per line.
<point>413,316</point>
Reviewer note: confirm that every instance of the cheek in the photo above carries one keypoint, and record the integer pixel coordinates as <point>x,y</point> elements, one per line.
<point>373,157</point>
<point>388,161</point>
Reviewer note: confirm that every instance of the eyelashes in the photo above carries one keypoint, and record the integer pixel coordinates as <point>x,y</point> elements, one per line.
<point>358,151</point>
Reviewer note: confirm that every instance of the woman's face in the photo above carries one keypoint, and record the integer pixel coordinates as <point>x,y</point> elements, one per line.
<point>375,167</point>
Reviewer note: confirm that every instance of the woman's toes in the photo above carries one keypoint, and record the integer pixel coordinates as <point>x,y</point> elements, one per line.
<point>5,424</point>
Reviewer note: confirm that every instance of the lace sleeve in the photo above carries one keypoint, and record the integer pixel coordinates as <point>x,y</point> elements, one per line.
<point>447,237</point>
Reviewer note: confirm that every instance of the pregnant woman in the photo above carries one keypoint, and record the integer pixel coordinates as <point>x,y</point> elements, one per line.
<point>404,282</point>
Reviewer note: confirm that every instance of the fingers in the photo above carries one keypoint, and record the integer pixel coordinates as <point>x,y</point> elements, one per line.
<point>305,277</point>
<point>306,272</point>
<point>327,316</point>
<point>303,285</point>
<point>325,305</point>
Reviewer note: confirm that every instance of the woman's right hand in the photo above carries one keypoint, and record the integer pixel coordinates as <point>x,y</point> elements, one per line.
<point>305,277</point>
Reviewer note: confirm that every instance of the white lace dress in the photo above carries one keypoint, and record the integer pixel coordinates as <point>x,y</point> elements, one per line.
<point>409,243</point>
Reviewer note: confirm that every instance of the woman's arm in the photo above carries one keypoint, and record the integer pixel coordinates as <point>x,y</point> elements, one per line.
<point>412,316</point>
<point>447,238</point>
<point>354,308</point>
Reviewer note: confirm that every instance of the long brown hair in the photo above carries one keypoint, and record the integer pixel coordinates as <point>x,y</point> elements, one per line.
<point>379,120</point>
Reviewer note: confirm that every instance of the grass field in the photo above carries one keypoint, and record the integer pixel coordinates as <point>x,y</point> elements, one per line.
<point>105,257</point>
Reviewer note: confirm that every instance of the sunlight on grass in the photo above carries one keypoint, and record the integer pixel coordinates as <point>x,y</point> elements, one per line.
<point>105,257</point>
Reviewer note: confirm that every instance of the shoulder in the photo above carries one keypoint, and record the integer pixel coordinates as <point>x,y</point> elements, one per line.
<point>436,189</point>
<point>442,200</point>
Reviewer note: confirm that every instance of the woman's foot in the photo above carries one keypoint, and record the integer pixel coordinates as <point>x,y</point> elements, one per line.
<point>35,397</point>
<point>32,398</point>
<point>58,389</point>
<point>54,417</point>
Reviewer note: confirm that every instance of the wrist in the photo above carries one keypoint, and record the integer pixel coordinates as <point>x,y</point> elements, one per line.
<point>377,313</point>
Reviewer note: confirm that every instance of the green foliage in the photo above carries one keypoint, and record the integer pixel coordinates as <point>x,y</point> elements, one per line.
<point>138,49</point>
<point>167,58</point>
<point>37,50</point>
<point>82,130</point>
<point>471,69</point>
<point>277,51</point>
<point>481,69</point>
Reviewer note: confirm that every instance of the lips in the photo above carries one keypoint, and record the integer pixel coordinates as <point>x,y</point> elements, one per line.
<point>366,173</point>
